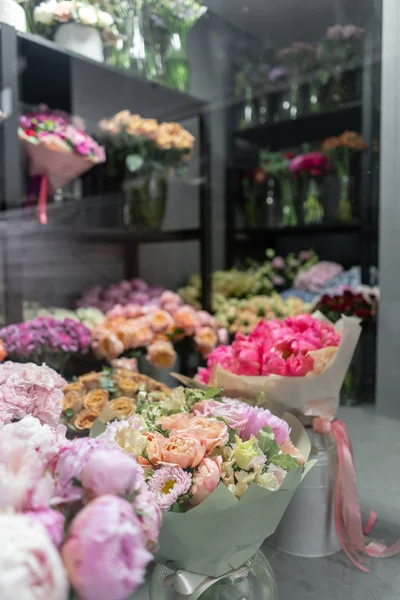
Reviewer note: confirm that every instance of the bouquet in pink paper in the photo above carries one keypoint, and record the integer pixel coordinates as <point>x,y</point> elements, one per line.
<point>297,364</point>
<point>56,149</point>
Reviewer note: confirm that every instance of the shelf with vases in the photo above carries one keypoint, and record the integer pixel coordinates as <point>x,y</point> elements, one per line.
<point>48,70</point>
<point>308,127</point>
<point>260,235</point>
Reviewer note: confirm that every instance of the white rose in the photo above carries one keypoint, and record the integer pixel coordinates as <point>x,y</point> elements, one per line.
<point>88,15</point>
<point>30,566</point>
<point>104,19</point>
<point>44,13</point>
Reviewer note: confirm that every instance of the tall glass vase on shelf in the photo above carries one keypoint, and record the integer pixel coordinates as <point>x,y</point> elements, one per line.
<point>130,51</point>
<point>288,215</point>
<point>290,104</point>
<point>247,113</point>
<point>313,211</point>
<point>177,64</point>
<point>145,201</point>
<point>344,212</point>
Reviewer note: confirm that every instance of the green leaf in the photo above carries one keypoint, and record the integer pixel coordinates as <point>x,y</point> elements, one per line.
<point>284,461</point>
<point>134,162</point>
<point>97,428</point>
<point>176,508</point>
<point>76,483</point>
<point>69,413</point>
<point>266,441</point>
<point>212,393</point>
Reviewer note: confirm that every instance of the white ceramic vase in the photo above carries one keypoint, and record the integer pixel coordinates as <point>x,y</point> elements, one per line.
<point>12,14</point>
<point>81,39</point>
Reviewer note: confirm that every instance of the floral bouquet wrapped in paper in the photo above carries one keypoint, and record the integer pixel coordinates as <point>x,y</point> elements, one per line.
<point>221,471</point>
<point>298,364</point>
<point>45,339</point>
<point>57,150</point>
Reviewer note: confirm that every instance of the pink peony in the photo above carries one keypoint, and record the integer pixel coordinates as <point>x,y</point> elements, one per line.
<point>53,521</point>
<point>299,366</point>
<point>71,461</point>
<point>111,471</point>
<point>206,478</point>
<point>149,514</point>
<point>30,566</point>
<point>168,484</point>
<point>105,554</point>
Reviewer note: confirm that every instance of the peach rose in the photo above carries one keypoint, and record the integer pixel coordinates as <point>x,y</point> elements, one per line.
<point>122,406</point>
<point>151,436</point>
<point>185,319</point>
<point>125,364</point>
<point>128,387</point>
<point>142,334</point>
<point>76,386</point>
<point>96,400</point>
<point>161,355</point>
<point>211,433</point>
<point>85,419</point>
<point>205,479</point>
<point>206,339</point>
<point>90,381</point>
<point>288,448</point>
<point>177,450</point>
<point>72,401</point>
<point>107,345</point>
<point>160,320</point>
<point>126,334</point>
<point>178,421</point>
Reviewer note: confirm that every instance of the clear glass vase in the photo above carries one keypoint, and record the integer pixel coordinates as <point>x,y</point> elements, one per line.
<point>254,581</point>
<point>290,103</point>
<point>314,101</point>
<point>130,52</point>
<point>344,212</point>
<point>176,62</point>
<point>145,202</point>
<point>313,211</point>
<point>247,115</point>
<point>289,216</point>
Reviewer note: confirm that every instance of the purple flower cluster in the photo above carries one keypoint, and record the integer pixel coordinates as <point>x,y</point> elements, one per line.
<point>345,32</point>
<point>44,123</point>
<point>45,334</point>
<point>135,291</point>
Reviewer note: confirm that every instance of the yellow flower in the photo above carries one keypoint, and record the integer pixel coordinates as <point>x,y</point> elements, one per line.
<point>245,452</point>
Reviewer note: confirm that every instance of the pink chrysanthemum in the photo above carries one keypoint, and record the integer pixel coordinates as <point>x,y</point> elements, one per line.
<point>168,484</point>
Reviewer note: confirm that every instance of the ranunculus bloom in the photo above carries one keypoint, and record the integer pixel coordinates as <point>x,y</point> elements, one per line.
<point>206,478</point>
<point>177,450</point>
<point>105,554</point>
<point>30,566</point>
<point>210,432</point>
<point>52,520</point>
<point>111,471</point>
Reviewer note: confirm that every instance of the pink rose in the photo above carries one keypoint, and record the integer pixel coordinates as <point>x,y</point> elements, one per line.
<point>52,521</point>
<point>105,554</point>
<point>168,297</point>
<point>206,478</point>
<point>111,471</point>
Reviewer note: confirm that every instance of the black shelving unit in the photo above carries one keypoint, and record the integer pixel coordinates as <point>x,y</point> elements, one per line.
<point>39,71</point>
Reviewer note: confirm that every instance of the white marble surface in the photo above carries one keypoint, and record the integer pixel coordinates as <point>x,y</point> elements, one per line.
<point>376,443</point>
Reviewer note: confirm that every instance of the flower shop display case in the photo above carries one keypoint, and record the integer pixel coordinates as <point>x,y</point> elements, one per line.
<point>39,71</point>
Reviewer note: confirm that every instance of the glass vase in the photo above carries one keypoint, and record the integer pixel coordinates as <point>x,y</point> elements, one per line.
<point>289,216</point>
<point>359,382</point>
<point>290,103</point>
<point>313,211</point>
<point>247,115</point>
<point>252,212</point>
<point>263,110</point>
<point>176,62</point>
<point>155,52</point>
<point>314,97</point>
<point>145,202</point>
<point>254,581</point>
<point>344,212</point>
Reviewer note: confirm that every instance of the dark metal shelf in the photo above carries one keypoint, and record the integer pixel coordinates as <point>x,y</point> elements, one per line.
<point>259,235</point>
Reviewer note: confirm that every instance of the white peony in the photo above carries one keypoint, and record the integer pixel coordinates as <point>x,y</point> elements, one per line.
<point>44,13</point>
<point>104,19</point>
<point>30,566</point>
<point>87,15</point>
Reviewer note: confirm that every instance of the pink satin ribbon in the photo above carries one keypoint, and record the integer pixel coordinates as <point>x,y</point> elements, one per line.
<point>348,520</point>
<point>42,204</point>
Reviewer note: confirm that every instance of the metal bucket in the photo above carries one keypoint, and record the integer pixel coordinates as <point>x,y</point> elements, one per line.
<point>308,526</point>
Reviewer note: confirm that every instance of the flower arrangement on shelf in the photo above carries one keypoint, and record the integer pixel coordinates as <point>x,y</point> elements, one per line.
<point>46,340</point>
<point>155,331</point>
<point>79,25</point>
<point>340,151</point>
<point>90,317</point>
<point>363,304</point>
<point>142,153</point>
<point>109,394</point>
<point>241,316</point>
<point>29,389</point>
<point>312,166</point>
<point>57,150</point>
<point>318,276</point>
<point>133,291</point>
<point>254,196</point>
<point>78,518</point>
<point>218,453</point>
<point>276,165</point>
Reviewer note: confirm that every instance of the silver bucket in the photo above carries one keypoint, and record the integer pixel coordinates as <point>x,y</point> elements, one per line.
<point>308,526</point>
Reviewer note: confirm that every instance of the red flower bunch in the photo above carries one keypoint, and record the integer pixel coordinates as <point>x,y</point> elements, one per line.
<point>315,164</point>
<point>351,304</point>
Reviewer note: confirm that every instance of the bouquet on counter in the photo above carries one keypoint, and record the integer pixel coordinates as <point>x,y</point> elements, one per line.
<point>109,394</point>
<point>134,291</point>
<point>155,331</point>
<point>213,465</point>
<point>77,519</point>
<point>298,363</point>
<point>241,316</point>
<point>57,150</point>
<point>312,166</point>
<point>46,340</point>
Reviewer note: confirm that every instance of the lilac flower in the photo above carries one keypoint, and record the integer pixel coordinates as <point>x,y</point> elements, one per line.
<point>135,291</point>
<point>168,484</point>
